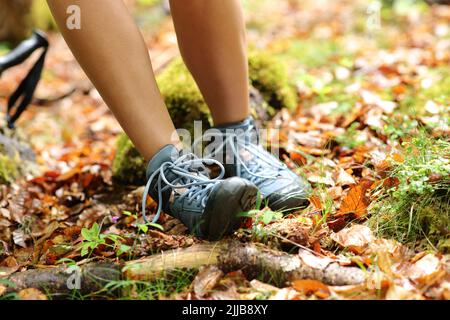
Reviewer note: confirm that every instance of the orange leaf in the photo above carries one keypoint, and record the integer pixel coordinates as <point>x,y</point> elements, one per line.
<point>309,287</point>
<point>398,157</point>
<point>356,201</point>
<point>399,89</point>
<point>315,200</point>
<point>298,158</point>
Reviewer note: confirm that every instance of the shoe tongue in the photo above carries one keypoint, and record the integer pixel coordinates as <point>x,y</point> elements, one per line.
<point>167,154</point>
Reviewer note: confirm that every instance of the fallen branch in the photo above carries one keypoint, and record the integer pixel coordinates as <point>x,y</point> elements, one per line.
<point>254,260</point>
<point>63,280</point>
<point>282,268</point>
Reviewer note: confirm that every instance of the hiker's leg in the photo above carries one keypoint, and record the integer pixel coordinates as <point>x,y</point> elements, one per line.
<point>113,54</point>
<point>211,36</point>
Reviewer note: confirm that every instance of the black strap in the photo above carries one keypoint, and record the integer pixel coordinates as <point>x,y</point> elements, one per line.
<point>21,98</point>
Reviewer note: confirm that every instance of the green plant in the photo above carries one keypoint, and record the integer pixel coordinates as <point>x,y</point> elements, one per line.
<point>93,238</point>
<point>169,283</point>
<point>399,126</point>
<point>5,283</point>
<point>417,209</point>
<point>352,137</point>
<point>143,227</point>
<point>260,218</point>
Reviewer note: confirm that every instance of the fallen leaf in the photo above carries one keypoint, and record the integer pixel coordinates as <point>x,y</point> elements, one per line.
<point>264,287</point>
<point>207,278</point>
<point>356,238</point>
<point>309,287</point>
<point>286,294</point>
<point>355,202</point>
<point>344,179</point>
<point>424,268</point>
<point>398,292</point>
<point>323,179</point>
<point>313,260</point>
<point>31,294</point>
<point>315,200</point>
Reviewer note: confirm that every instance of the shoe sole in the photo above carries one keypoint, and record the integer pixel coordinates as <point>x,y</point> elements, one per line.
<point>227,201</point>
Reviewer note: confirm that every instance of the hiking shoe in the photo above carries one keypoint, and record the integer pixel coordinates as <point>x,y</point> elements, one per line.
<point>180,184</point>
<point>237,147</point>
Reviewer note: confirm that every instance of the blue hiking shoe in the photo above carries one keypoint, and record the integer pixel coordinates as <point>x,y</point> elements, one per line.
<point>237,147</point>
<point>180,184</point>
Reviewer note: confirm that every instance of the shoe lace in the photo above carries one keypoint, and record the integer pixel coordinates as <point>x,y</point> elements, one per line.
<point>187,170</point>
<point>259,168</point>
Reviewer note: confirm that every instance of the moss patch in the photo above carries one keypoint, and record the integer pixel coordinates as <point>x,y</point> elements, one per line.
<point>128,166</point>
<point>182,96</point>
<point>269,75</point>
<point>417,210</point>
<point>9,169</point>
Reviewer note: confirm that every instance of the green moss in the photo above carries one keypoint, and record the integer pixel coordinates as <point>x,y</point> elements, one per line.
<point>128,166</point>
<point>417,210</point>
<point>269,75</point>
<point>182,96</point>
<point>9,168</point>
<point>41,16</point>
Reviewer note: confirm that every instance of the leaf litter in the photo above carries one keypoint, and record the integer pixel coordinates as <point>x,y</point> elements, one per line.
<point>341,137</point>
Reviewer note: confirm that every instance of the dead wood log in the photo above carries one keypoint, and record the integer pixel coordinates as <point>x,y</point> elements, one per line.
<point>63,280</point>
<point>190,258</point>
<point>281,268</point>
<point>254,260</point>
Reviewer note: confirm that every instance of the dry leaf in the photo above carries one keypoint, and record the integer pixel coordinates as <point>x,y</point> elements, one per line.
<point>355,202</point>
<point>313,260</point>
<point>286,294</point>
<point>206,279</point>
<point>356,238</point>
<point>424,268</point>
<point>315,200</point>
<point>31,294</point>
<point>398,292</point>
<point>309,287</point>
<point>344,179</point>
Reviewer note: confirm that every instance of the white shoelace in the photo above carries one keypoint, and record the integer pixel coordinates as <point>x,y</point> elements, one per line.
<point>255,171</point>
<point>199,183</point>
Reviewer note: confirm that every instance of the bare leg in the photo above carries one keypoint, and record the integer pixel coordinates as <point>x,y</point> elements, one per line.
<point>211,36</point>
<point>113,54</point>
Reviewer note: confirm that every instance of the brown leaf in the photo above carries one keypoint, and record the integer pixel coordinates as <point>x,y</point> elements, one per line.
<point>356,238</point>
<point>2,289</point>
<point>425,268</point>
<point>356,201</point>
<point>315,200</point>
<point>314,261</point>
<point>207,278</point>
<point>344,178</point>
<point>31,294</point>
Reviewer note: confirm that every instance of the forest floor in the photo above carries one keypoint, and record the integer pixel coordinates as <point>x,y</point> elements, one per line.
<point>371,134</point>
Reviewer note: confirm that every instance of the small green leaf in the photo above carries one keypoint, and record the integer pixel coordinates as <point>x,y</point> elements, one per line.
<point>86,234</point>
<point>84,251</point>
<point>155,225</point>
<point>123,249</point>
<point>143,228</point>
<point>127,213</point>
